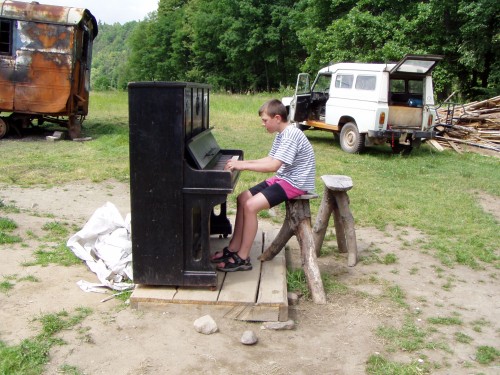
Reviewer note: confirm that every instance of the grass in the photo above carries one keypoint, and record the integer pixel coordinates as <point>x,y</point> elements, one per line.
<point>487,354</point>
<point>408,338</point>
<point>31,355</point>
<point>6,227</point>
<point>428,191</point>
<point>378,365</point>
<point>296,282</point>
<point>6,285</point>
<point>434,193</point>
<point>447,321</point>
<point>57,254</point>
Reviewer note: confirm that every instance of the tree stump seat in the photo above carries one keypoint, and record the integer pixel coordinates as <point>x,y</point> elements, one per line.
<point>336,200</point>
<point>298,222</point>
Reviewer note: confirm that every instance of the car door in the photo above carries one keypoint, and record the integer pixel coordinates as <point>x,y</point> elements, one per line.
<point>299,105</point>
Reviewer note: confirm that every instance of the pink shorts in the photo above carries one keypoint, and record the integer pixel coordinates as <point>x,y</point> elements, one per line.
<point>291,192</point>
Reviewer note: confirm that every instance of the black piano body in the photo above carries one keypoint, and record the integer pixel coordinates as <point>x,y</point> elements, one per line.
<point>176,180</point>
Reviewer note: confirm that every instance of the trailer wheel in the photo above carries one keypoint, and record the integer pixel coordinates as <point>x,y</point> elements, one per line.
<point>351,140</point>
<point>4,128</point>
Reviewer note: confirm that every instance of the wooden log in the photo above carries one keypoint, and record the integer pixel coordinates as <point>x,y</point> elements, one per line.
<point>286,232</point>
<point>322,220</point>
<point>466,129</point>
<point>488,103</point>
<point>339,225</point>
<point>349,231</point>
<point>470,143</point>
<point>309,261</point>
<point>335,200</point>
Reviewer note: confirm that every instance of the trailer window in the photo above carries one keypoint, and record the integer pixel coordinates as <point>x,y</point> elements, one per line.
<point>5,37</point>
<point>366,82</point>
<point>344,81</point>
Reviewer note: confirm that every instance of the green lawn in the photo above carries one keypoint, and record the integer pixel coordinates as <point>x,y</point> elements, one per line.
<point>433,192</point>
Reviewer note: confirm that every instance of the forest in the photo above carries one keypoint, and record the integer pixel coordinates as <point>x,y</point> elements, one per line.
<point>261,45</point>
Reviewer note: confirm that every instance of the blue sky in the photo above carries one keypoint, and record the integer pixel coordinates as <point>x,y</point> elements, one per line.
<point>111,11</point>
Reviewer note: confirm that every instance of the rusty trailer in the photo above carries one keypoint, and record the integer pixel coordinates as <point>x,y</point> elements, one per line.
<point>45,61</point>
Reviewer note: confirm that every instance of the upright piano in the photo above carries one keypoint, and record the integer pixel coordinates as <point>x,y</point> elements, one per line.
<point>177,184</point>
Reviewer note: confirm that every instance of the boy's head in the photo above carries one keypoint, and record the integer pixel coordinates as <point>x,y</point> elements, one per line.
<point>273,108</point>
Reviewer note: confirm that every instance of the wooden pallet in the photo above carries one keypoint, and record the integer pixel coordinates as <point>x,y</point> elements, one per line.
<point>256,295</point>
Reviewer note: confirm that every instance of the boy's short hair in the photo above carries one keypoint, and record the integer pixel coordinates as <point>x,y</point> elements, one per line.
<point>274,107</point>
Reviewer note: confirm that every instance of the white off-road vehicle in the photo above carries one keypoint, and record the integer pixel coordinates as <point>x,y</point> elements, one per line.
<point>368,104</point>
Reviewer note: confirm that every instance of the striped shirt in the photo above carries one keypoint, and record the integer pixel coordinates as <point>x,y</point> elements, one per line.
<point>293,148</point>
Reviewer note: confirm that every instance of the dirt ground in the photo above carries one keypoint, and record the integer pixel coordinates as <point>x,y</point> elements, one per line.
<point>336,338</point>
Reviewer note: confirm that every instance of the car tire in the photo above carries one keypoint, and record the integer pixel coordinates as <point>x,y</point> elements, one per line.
<point>351,140</point>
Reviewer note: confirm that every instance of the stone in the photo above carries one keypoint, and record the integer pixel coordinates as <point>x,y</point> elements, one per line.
<point>249,338</point>
<point>278,326</point>
<point>205,325</point>
<point>293,298</point>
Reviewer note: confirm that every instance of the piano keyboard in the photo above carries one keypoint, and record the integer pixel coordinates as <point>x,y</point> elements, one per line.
<point>221,163</point>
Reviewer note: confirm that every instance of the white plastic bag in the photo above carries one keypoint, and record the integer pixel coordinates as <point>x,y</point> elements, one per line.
<point>104,244</point>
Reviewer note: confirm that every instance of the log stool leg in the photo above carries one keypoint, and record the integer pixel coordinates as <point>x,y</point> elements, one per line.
<point>336,201</point>
<point>286,232</point>
<point>349,234</point>
<point>298,222</point>
<point>322,219</point>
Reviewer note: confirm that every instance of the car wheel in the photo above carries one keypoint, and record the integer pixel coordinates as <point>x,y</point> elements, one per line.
<point>351,140</point>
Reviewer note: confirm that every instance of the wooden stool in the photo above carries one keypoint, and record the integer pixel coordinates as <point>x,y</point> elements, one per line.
<point>298,223</point>
<point>335,199</point>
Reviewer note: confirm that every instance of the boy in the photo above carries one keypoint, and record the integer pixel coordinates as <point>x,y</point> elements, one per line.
<point>292,158</point>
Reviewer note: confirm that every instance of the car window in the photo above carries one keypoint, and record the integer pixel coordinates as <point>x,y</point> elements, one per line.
<point>366,82</point>
<point>415,87</point>
<point>344,81</point>
<point>398,85</point>
<point>322,83</point>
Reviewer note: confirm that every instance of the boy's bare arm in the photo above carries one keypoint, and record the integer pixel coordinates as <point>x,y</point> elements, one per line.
<point>267,164</point>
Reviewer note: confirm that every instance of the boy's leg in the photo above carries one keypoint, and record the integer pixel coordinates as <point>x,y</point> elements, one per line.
<point>269,196</point>
<point>236,238</point>
<point>250,210</point>
<point>235,242</point>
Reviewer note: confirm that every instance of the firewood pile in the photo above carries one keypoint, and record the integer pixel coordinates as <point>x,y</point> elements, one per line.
<point>474,124</point>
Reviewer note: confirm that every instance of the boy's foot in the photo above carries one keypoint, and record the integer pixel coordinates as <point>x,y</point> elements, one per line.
<point>222,256</point>
<point>235,263</point>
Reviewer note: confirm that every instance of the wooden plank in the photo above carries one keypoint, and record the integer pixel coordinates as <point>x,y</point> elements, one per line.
<point>242,286</point>
<point>435,144</point>
<point>453,144</point>
<point>199,295</point>
<point>273,289</point>
<point>252,313</point>
<point>256,295</point>
<point>149,293</point>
